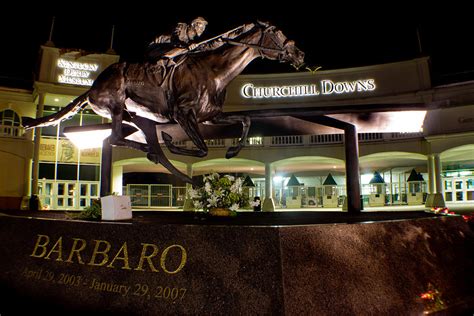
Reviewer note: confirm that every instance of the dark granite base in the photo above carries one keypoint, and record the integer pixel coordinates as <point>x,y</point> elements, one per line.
<point>150,267</point>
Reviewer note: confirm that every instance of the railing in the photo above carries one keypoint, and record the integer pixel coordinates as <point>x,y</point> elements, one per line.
<point>370,137</point>
<point>326,139</point>
<point>287,140</point>
<point>155,195</point>
<point>11,131</point>
<point>215,142</point>
<point>302,140</point>
<point>251,141</point>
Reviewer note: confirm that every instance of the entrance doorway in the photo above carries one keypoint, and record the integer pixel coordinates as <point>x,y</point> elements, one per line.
<point>67,195</point>
<point>459,189</point>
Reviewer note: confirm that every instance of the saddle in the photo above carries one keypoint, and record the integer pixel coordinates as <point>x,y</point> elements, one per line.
<point>157,73</point>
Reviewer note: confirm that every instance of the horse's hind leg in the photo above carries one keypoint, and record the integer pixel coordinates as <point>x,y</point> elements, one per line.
<point>155,153</point>
<point>187,121</point>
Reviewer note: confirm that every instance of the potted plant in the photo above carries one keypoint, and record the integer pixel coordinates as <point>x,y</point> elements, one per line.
<point>220,195</point>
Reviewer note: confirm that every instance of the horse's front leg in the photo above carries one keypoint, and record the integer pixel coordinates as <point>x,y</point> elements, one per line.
<point>117,137</point>
<point>232,119</point>
<point>155,153</point>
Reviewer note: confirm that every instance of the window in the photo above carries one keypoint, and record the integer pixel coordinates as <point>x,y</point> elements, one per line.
<point>67,172</point>
<point>89,172</point>
<point>49,130</point>
<point>9,123</point>
<point>46,170</point>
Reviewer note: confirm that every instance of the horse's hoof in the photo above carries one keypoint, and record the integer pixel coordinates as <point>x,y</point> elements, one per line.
<point>232,152</point>
<point>166,137</point>
<point>153,158</point>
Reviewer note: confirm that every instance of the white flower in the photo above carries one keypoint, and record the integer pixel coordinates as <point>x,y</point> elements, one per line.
<point>193,194</point>
<point>234,207</point>
<point>198,205</point>
<point>212,201</point>
<point>215,194</point>
<point>208,188</point>
<point>231,178</point>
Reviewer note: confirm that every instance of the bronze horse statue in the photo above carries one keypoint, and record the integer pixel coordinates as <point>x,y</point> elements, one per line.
<point>192,91</point>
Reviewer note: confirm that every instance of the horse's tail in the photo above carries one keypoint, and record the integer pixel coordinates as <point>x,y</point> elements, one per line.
<point>66,112</point>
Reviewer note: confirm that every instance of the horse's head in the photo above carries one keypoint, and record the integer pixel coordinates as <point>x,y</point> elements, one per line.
<point>276,46</point>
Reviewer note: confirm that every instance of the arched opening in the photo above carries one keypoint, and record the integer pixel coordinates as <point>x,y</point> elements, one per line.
<point>10,124</point>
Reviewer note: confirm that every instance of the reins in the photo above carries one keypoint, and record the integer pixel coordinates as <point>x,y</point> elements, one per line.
<point>259,47</point>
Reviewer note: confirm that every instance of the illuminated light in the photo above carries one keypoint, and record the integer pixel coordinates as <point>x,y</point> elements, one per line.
<point>56,100</point>
<point>365,178</point>
<point>249,91</point>
<point>67,64</point>
<point>84,138</point>
<point>387,122</point>
<point>76,73</point>
<point>432,300</point>
<point>363,85</point>
<point>251,169</point>
<point>75,81</point>
<point>277,178</point>
<point>406,121</point>
<point>469,218</point>
<point>334,167</point>
<point>325,87</point>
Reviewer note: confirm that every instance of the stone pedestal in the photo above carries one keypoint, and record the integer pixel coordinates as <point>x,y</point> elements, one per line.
<point>150,267</point>
<point>435,200</point>
<point>268,205</point>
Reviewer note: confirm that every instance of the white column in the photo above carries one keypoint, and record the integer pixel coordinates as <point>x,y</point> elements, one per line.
<point>37,142</point>
<point>117,179</point>
<point>188,203</point>
<point>438,177</point>
<point>268,204</point>
<point>431,175</point>
<point>435,196</point>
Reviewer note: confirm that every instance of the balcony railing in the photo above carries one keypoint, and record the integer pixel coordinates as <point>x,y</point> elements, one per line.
<point>11,131</point>
<point>304,140</point>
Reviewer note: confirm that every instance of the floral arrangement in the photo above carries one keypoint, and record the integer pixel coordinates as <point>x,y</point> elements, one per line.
<point>219,192</point>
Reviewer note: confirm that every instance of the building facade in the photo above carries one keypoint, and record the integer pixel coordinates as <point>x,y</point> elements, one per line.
<point>411,128</point>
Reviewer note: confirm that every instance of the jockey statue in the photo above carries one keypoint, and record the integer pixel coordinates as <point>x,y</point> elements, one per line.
<point>183,40</point>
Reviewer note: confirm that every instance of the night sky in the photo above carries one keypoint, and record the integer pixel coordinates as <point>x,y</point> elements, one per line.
<point>329,38</point>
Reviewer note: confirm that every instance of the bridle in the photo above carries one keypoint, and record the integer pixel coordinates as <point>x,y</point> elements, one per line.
<point>259,47</point>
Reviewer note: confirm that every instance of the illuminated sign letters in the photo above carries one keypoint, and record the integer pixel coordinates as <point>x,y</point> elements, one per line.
<point>76,73</point>
<point>325,87</point>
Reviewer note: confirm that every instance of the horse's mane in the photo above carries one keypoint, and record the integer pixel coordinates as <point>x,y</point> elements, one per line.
<point>257,25</point>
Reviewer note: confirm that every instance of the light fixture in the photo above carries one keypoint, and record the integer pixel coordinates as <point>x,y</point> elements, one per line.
<point>89,136</point>
<point>56,100</point>
<point>93,136</point>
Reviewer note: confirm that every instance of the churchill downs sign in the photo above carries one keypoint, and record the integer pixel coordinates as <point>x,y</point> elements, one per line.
<point>325,87</point>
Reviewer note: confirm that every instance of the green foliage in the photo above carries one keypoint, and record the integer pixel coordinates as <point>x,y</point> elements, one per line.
<point>93,212</point>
